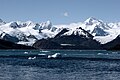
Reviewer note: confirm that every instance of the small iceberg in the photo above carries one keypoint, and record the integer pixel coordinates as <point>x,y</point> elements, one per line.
<point>45,51</point>
<point>56,55</point>
<point>31,58</point>
<point>41,54</point>
<point>100,54</point>
<point>25,52</point>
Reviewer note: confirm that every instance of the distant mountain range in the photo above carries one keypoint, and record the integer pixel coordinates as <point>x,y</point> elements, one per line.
<point>90,34</point>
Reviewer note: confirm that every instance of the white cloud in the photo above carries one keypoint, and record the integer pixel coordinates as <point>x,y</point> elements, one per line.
<point>66,14</point>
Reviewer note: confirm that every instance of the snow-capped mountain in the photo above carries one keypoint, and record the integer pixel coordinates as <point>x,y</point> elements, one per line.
<point>102,32</point>
<point>29,32</point>
<point>77,32</point>
<point>26,32</point>
<point>77,38</point>
<point>96,27</point>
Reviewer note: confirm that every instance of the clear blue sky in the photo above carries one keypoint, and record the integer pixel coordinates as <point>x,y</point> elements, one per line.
<point>59,11</point>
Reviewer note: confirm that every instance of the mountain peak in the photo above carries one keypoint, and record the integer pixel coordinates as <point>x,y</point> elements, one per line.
<point>14,25</point>
<point>48,23</point>
<point>91,20</point>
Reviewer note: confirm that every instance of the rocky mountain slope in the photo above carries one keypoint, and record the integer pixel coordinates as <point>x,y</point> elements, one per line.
<point>69,39</point>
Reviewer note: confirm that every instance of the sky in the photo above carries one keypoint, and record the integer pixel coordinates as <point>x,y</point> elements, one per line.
<point>59,11</point>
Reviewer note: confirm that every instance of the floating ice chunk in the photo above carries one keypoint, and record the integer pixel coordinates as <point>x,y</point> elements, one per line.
<point>41,54</point>
<point>115,52</point>
<point>65,54</point>
<point>56,55</point>
<point>106,54</point>
<point>31,58</point>
<point>45,51</point>
<point>100,53</point>
<point>25,52</point>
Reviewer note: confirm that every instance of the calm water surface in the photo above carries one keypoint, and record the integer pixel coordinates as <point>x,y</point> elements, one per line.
<point>95,65</point>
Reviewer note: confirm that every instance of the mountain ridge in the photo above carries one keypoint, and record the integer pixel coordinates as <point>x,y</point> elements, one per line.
<point>28,32</point>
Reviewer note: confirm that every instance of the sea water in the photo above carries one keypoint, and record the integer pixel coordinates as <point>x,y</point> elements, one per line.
<point>72,65</point>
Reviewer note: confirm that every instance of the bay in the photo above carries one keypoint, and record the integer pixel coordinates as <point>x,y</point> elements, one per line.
<point>72,65</point>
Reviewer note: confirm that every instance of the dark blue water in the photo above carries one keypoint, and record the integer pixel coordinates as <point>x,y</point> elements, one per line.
<point>73,65</point>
